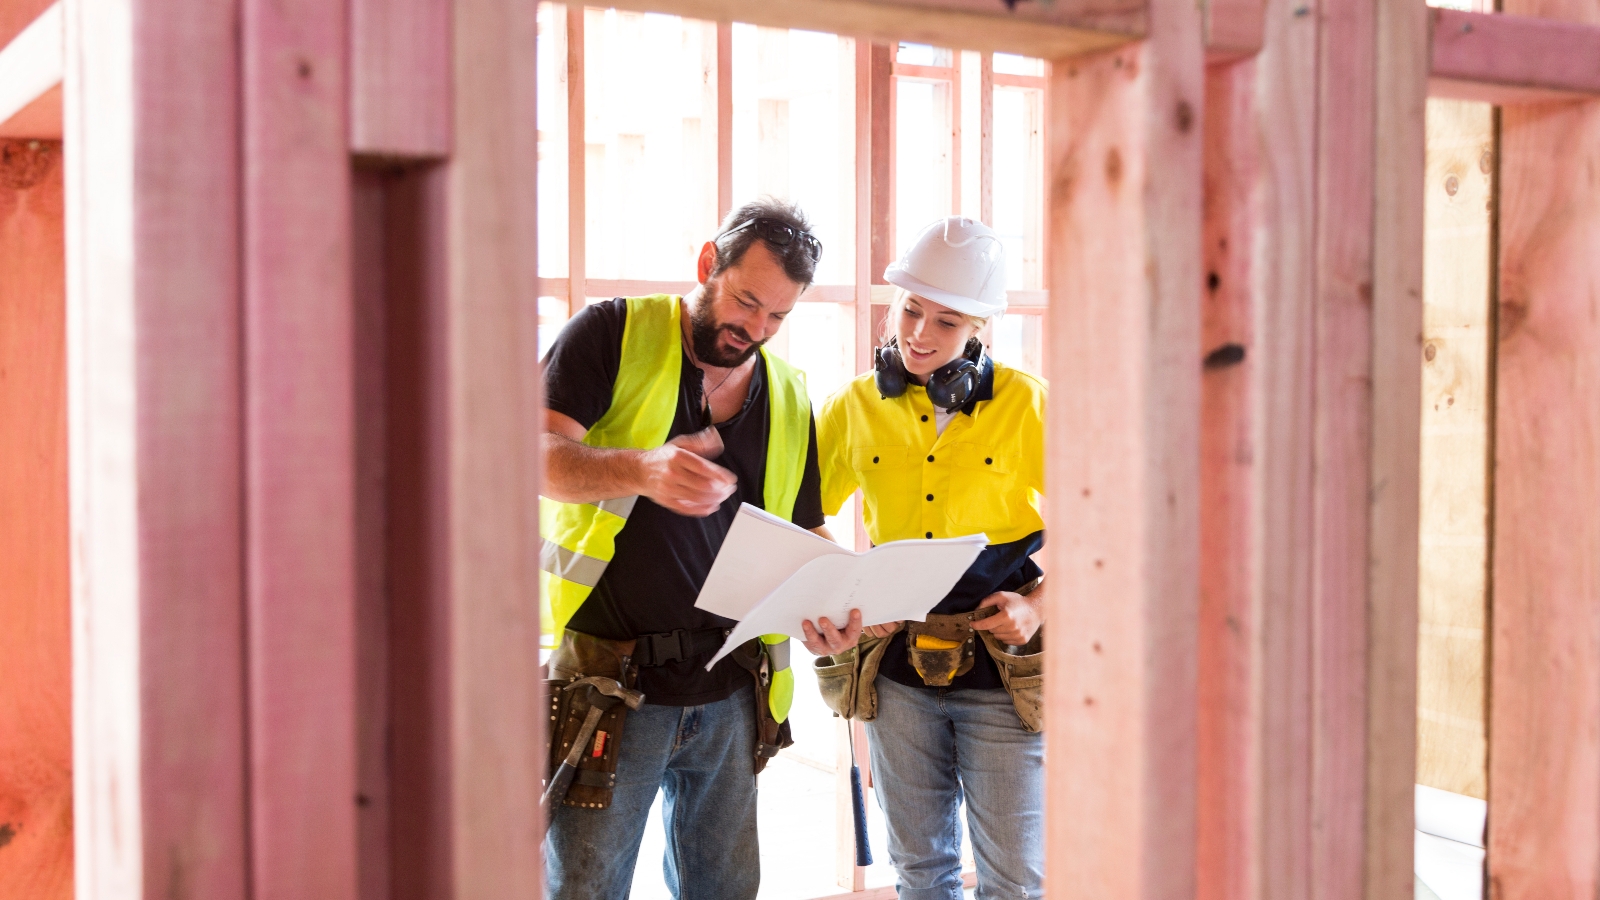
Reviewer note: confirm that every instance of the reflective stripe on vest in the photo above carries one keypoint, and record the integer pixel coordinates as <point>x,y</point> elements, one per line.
<point>580,538</point>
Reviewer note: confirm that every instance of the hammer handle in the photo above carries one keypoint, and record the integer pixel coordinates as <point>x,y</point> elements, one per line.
<point>557,791</point>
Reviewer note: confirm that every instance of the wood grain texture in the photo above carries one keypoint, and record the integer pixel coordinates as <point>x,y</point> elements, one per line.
<point>1234,28</point>
<point>1394,484</point>
<point>1042,30</point>
<point>400,78</point>
<point>1544,748</point>
<point>1227,789</point>
<point>1283,288</point>
<point>1341,441</point>
<point>1124,169</point>
<point>1453,608</point>
<point>152,216</point>
<point>881,91</point>
<point>35,597</point>
<point>299,450</point>
<point>495,692</point>
<point>1508,58</point>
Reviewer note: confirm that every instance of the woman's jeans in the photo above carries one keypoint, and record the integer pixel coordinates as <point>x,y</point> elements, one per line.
<point>703,757</point>
<point>930,746</point>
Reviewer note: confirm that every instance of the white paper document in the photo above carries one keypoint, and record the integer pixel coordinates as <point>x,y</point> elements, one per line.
<point>771,575</point>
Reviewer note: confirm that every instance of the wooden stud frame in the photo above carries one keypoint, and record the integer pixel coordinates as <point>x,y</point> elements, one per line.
<point>203,665</point>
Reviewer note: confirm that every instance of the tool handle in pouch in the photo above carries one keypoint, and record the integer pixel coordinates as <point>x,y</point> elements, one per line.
<point>562,781</point>
<point>858,806</point>
<point>559,785</point>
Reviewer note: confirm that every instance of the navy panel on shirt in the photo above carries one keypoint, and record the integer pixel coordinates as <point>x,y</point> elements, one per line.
<point>1000,567</point>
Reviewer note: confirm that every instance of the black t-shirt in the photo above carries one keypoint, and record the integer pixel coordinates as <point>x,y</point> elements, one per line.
<point>662,558</point>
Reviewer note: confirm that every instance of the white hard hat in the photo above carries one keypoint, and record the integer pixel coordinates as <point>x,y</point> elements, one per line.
<point>958,262</point>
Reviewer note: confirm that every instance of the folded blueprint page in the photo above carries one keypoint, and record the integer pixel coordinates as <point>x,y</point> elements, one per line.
<point>772,575</point>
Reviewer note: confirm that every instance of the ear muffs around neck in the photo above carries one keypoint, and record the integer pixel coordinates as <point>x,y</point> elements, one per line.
<point>949,387</point>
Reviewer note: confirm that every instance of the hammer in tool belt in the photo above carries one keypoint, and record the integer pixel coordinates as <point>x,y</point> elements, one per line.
<point>603,694</point>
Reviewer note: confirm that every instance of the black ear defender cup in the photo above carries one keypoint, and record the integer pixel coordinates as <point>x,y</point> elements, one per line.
<point>889,371</point>
<point>950,385</point>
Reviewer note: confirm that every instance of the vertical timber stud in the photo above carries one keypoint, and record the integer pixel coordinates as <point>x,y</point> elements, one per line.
<point>1227,754</point>
<point>724,99</point>
<point>399,78</point>
<point>577,161</point>
<point>152,222</point>
<point>881,91</point>
<point>299,449</point>
<point>1394,485</point>
<point>1125,225</point>
<point>1544,749</point>
<point>495,697</point>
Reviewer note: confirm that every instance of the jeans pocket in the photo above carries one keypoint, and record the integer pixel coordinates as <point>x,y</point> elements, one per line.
<point>837,682</point>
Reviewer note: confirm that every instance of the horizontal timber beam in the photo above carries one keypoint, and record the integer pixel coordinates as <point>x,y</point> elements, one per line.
<point>1497,58</point>
<point>30,68</point>
<point>1049,31</point>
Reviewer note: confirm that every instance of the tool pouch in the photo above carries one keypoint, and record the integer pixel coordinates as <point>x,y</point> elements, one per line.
<point>771,735</point>
<point>1022,673</point>
<point>848,681</point>
<point>579,656</point>
<point>1022,670</point>
<point>941,648</point>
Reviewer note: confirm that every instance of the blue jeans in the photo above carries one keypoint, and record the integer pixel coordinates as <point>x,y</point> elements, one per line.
<point>703,757</point>
<point>929,747</point>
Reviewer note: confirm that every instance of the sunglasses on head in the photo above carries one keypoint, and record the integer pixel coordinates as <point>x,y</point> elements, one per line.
<point>779,234</point>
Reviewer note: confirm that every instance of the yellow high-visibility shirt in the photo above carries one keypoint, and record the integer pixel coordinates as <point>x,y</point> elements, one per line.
<point>984,474</point>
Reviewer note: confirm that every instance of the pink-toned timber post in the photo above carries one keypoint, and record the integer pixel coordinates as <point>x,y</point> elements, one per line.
<point>1124,169</point>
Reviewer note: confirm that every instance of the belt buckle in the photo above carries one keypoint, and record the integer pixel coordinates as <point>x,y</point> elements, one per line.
<point>668,646</point>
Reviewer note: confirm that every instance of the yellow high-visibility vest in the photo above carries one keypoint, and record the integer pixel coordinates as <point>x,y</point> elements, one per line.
<point>580,538</point>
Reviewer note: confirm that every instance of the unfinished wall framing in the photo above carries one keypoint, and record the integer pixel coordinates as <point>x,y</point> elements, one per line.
<point>299,371</point>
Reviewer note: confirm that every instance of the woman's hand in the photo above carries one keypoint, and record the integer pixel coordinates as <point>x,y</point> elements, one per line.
<point>1019,617</point>
<point>824,639</point>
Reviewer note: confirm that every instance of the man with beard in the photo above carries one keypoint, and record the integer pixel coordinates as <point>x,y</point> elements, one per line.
<point>663,416</point>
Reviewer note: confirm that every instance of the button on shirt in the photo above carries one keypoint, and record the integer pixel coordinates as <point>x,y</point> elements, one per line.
<point>982,473</point>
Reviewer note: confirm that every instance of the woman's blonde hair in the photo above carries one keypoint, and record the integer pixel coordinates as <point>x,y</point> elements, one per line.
<point>901,295</point>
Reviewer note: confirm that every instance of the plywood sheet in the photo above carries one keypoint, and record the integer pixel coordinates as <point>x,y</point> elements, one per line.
<point>1453,542</point>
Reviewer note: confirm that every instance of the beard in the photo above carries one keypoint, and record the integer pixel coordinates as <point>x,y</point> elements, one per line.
<point>705,331</point>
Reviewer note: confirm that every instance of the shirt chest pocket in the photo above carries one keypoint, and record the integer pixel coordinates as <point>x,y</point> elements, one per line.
<point>872,464</point>
<point>982,484</point>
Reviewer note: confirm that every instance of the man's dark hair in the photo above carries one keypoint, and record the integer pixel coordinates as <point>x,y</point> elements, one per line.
<point>731,242</point>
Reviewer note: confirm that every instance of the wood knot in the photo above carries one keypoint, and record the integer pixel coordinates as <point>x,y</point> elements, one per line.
<point>1223,357</point>
<point>25,163</point>
<point>1513,312</point>
<point>1183,117</point>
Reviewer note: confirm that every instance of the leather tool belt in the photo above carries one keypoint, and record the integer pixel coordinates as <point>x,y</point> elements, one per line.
<point>578,656</point>
<point>771,735</point>
<point>672,646</point>
<point>941,649</point>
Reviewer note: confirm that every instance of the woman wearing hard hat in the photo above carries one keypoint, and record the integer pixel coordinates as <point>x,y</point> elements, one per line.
<point>943,441</point>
